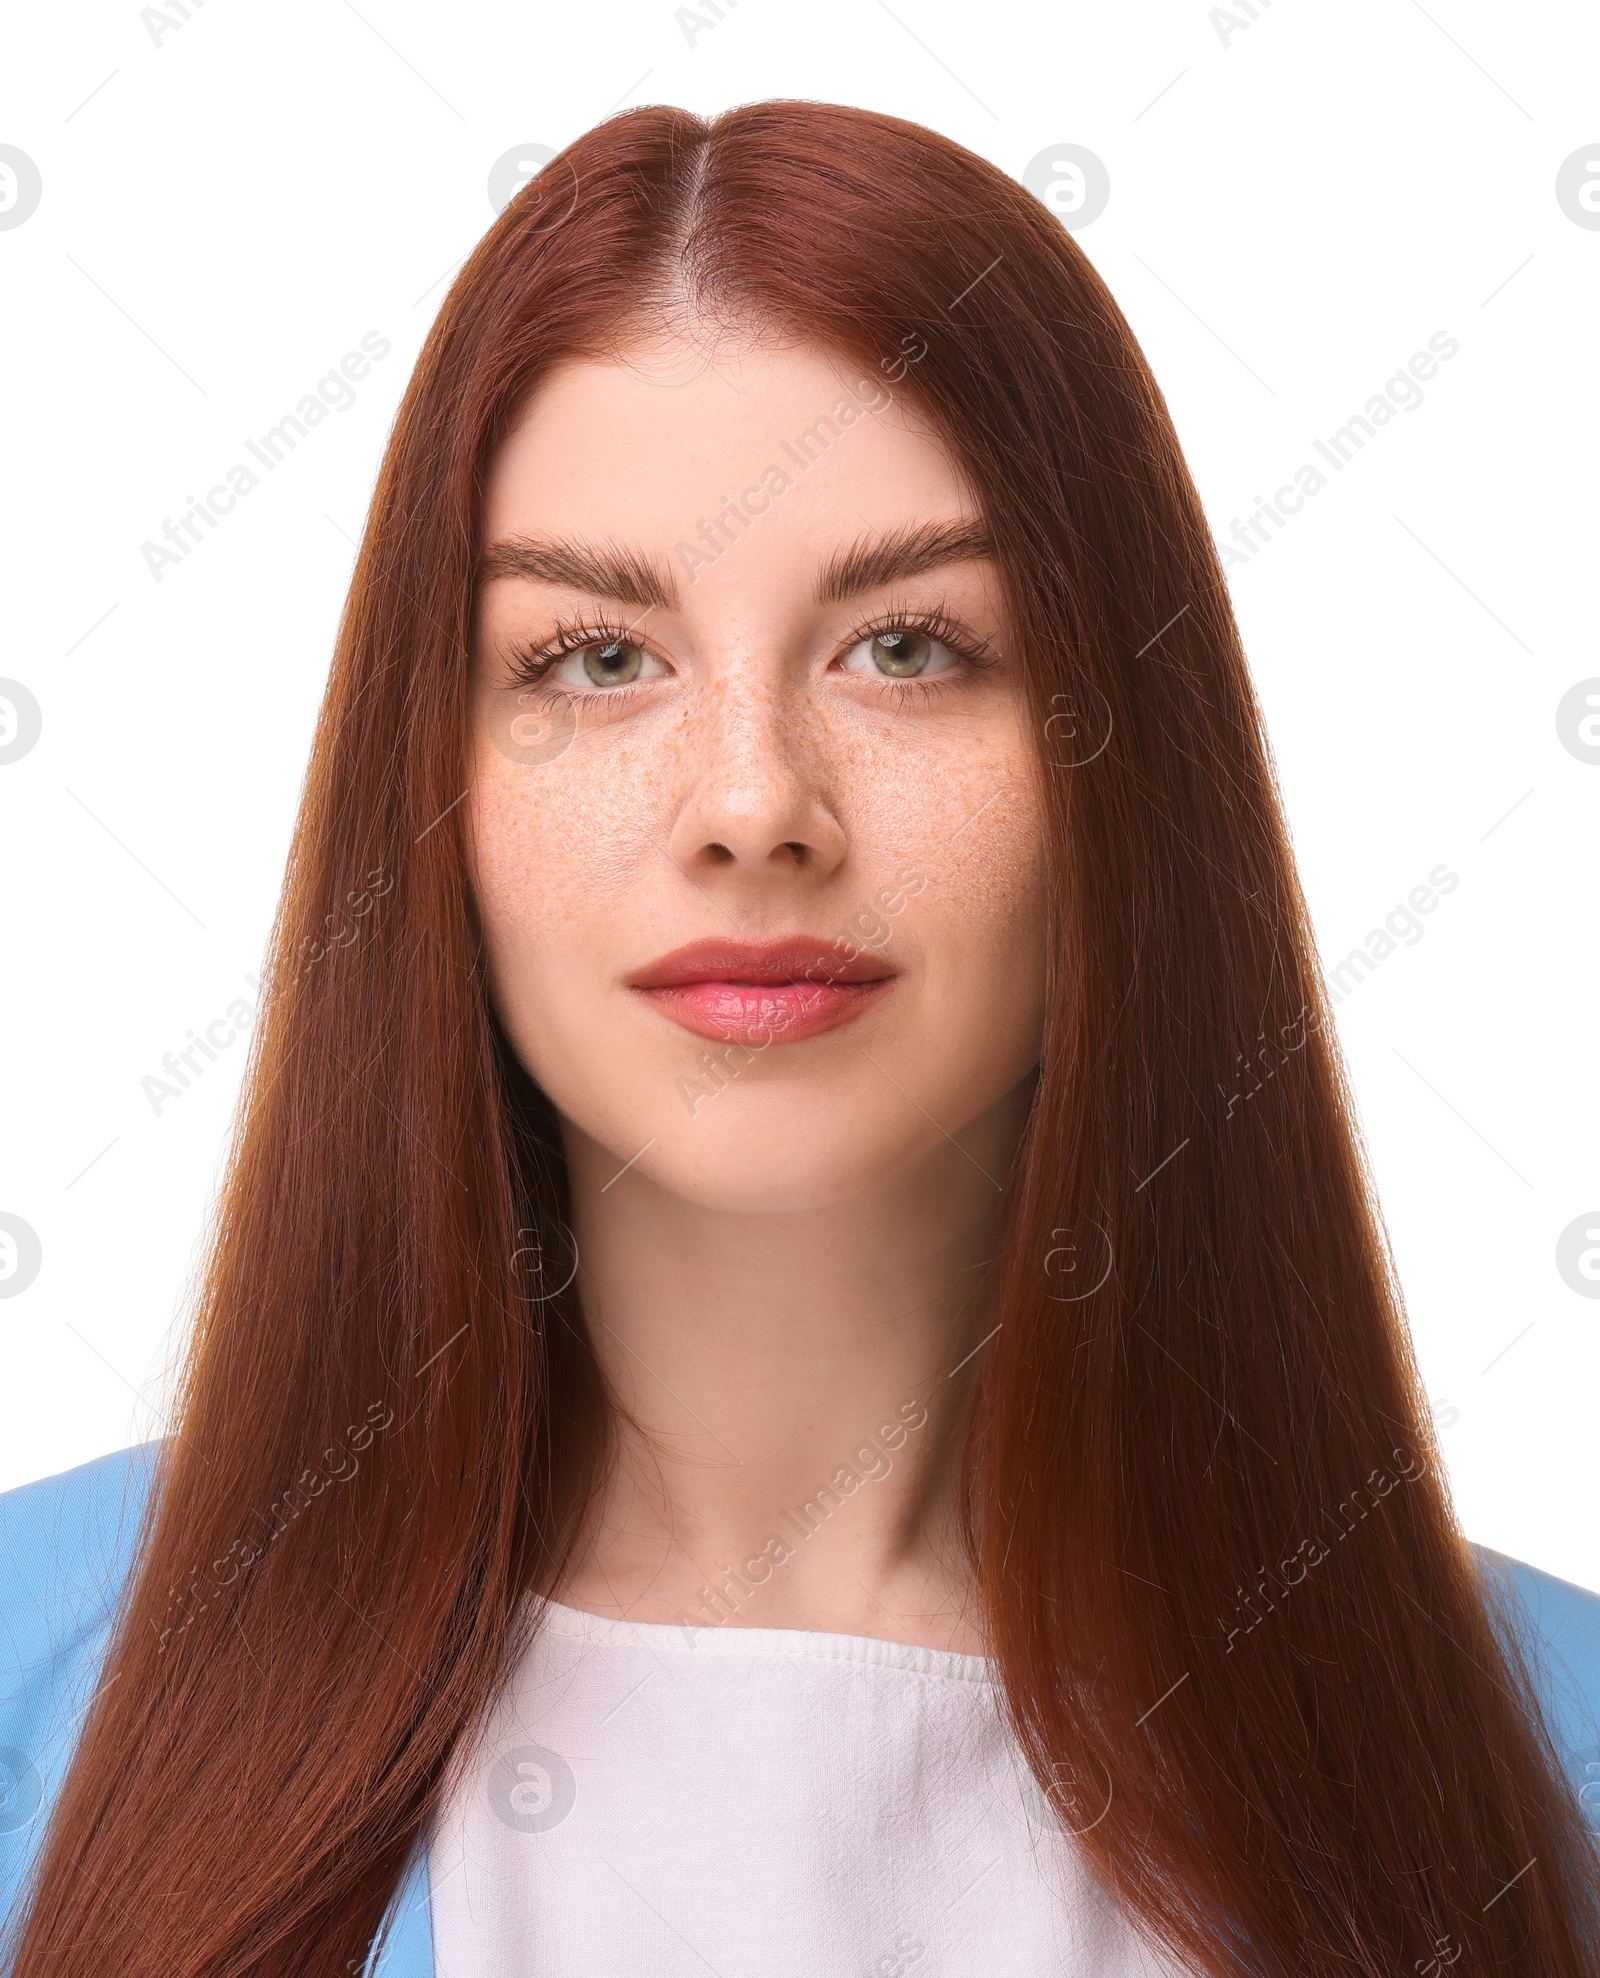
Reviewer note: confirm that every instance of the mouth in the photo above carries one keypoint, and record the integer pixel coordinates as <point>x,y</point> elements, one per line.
<point>758,993</point>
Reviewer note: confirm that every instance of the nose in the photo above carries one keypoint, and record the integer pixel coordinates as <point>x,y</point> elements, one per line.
<point>757,804</point>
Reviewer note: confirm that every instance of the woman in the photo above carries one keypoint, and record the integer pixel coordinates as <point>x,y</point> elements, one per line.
<point>796,1360</point>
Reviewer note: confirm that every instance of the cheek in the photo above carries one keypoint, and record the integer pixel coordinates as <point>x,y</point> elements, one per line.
<point>959,832</point>
<point>969,802</point>
<point>985,938</point>
<point>552,855</point>
<point>558,847</point>
<point>527,895</point>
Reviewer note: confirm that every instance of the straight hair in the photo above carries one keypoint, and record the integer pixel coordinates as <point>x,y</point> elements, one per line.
<point>1280,1752</point>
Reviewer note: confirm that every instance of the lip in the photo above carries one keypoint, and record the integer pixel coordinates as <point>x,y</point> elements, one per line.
<point>758,993</point>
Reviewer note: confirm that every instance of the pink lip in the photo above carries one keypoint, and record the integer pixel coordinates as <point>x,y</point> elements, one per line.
<point>762,992</point>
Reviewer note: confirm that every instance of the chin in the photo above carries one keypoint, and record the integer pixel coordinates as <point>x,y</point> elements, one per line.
<point>772,1150</point>
<point>769,1174</point>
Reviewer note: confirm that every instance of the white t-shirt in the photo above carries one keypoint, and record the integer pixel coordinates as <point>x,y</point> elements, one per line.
<point>651,1801</point>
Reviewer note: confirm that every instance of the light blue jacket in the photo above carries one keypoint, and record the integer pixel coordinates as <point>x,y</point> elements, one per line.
<point>66,1545</point>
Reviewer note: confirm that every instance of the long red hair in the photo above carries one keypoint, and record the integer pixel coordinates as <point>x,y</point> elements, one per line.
<point>1282,1752</point>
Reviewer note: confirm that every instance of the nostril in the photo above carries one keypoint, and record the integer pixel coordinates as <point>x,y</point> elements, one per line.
<point>801,852</point>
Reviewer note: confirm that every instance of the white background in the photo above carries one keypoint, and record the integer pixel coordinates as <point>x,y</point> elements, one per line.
<point>1297,204</point>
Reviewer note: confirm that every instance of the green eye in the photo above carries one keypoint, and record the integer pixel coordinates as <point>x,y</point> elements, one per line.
<point>900,652</point>
<point>902,655</point>
<point>613,664</point>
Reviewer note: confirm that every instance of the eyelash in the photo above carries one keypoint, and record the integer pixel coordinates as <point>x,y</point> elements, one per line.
<point>973,652</point>
<point>571,635</point>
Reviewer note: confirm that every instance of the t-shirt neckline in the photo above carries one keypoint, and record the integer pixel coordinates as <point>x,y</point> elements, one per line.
<point>730,1639</point>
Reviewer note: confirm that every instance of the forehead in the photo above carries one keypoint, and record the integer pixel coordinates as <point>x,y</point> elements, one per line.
<point>647,450</point>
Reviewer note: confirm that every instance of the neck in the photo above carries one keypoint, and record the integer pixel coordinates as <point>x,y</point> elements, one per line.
<point>787,1393</point>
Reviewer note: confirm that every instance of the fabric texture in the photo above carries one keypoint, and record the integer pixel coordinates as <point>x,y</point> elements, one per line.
<point>864,1757</point>
<point>667,1800</point>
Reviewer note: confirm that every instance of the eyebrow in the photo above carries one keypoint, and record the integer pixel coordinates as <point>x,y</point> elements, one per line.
<point>605,570</point>
<point>907,552</point>
<point>599,568</point>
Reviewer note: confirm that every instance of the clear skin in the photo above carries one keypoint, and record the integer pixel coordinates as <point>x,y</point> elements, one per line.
<point>781,1249</point>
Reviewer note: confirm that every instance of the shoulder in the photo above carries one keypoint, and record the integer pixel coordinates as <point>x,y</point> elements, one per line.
<point>1556,1625</point>
<point>66,1544</point>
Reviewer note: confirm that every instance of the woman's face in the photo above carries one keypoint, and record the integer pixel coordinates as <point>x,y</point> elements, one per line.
<point>754,797</point>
